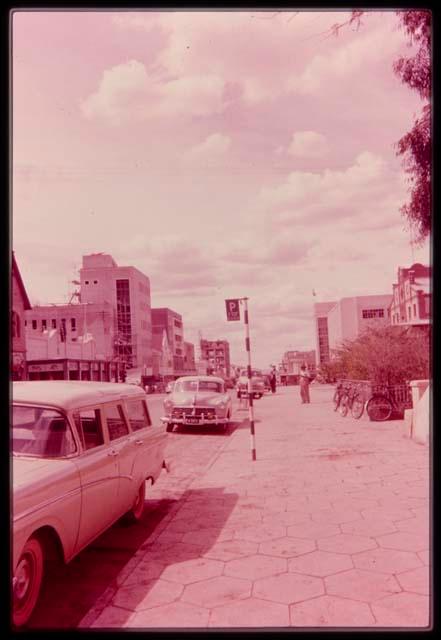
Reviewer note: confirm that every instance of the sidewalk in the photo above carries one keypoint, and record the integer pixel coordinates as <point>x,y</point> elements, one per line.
<point>328,527</point>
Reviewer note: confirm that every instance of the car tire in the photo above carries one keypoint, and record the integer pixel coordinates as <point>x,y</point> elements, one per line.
<point>137,510</point>
<point>29,574</point>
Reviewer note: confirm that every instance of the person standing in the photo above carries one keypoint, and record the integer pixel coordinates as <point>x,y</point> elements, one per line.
<point>304,385</point>
<point>273,381</point>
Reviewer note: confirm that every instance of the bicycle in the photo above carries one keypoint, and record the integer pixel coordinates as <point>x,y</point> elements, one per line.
<point>339,392</point>
<point>353,399</point>
<point>385,400</point>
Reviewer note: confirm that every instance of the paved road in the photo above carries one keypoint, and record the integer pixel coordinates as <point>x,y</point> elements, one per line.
<point>329,527</point>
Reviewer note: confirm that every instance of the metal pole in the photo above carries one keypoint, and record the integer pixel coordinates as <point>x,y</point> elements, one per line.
<point>250,395</point>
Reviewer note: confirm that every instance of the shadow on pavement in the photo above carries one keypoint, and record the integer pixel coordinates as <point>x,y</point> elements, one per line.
<point>71,590</point>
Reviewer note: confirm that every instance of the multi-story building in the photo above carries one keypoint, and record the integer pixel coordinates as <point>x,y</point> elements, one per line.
<point>162,357</point>
<point>217,353</point>
<point>20,304</point>
<point>350,317</point>
<point>164,319</point>
<point>189,358</point>
<point>127,290</point>
<point>321,310</point>
<point>411,300</point>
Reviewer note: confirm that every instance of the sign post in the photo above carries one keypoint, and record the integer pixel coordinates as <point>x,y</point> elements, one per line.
<point>233,313</point>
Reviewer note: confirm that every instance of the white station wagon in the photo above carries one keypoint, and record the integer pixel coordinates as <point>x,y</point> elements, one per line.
<point>82,453</point>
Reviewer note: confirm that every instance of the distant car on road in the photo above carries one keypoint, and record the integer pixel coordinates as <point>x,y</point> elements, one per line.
<point>198,400</point>
<point>257,383</point>
<point>82,453</point>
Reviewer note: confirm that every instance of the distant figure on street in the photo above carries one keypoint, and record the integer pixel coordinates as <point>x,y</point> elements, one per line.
<point>304,385</point>
<point>273,381</point>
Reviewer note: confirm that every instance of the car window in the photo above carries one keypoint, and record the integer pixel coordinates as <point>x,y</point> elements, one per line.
<point>138,414</point>
<point>88,422</point>
<point>210,385</point>
<point>116,422</point>
<point>42,433</point>
<point>186,385</point>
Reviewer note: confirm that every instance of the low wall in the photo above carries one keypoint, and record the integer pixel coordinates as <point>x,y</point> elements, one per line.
<point>417,419</point>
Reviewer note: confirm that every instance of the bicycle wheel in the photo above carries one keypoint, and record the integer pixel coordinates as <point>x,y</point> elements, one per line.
<point>379,408</point>
<point>343,408</point>
<point>336,400</point>
<point>357,406</point>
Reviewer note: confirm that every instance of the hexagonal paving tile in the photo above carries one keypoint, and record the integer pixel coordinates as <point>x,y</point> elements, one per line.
<point>256,566</point>
<point>177,552</point>
<point>113,617</point>
<point>357,584</point>
<point>330,611</point>
<point>414,525</point>
<point>402,610</point>
<point>251,612</point>
<point>403,540</point>
<point>313,530</point>
<point>334,516</point>
<point>216,591</point>
<point>286,547</point>
<point>207,536</point>
<point>146,571</point>
<point>288,588</point>
<point>416,580</point>
<point>287,518</point>
<point>425,556</point>
<point>386,513</point>
<point>386,560</point>
<point>320,563</point>
<point>150,594</point>
<point>231,549</point>
<point>369,528</point>
<point>192,570</point>
<point>174,615</point>
<point>261,533</point>
<point>346,543</point>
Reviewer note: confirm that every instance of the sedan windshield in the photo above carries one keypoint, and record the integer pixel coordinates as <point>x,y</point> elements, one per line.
<point>40,433</point>
<point>198,385</point>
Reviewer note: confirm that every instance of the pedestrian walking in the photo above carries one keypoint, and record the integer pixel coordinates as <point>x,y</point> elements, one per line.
<point>273,381</point>
<point>304,385</point>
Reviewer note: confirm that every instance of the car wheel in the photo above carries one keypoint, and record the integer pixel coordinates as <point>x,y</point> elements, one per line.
<point>28,577</point>
<point>135,513</point>
<point>169,427</point>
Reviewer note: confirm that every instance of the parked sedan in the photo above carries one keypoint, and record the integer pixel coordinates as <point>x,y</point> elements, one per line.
<point>198,400</point>
<point>82,453</point>
<point>257,384</point>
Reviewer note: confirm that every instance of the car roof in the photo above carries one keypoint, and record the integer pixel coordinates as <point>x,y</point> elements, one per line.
<point>68,394</point>
<point>204,378</point>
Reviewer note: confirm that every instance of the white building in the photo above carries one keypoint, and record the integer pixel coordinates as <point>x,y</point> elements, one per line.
<point>411,303</point>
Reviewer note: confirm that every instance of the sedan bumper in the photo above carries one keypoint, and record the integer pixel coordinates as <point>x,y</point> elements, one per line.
<point>195,422</point>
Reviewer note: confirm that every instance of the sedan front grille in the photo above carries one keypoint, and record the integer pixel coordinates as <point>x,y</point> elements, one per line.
<point>198,412</point>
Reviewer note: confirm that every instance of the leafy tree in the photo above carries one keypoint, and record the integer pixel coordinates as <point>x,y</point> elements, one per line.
<point>415,147</point>
<point>386,355</point>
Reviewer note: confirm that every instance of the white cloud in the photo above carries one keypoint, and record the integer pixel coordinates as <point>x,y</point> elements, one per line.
<point>129,91</point>
<point>214,147</point>
<point>308,144</point>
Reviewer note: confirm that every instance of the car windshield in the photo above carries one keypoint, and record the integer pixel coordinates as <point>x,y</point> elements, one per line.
<point>40,433</point>
<point>198,385</point>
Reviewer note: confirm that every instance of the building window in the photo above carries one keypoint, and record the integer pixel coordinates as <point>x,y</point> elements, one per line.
<point>95,282</point>
<point>73,324</point>
<point>15,325</point>
<point>86,282</point>
<point>178,324</point>
<point>54,323</point>
<point>372,313</point>
<point>34,324</point>
<point>43,325</point>
<point>414,311</point>
<point>63,330</point>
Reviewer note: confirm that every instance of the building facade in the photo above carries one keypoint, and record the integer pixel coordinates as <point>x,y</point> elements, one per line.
<point>19,306</point>
<point>411,299</point>
<point>217,353</point>
<point>189,358</point>
<point>162,357</point>
<point>321,310</point>
<point>350,317</point>
<point>127,291</point>
<point>164,319</point>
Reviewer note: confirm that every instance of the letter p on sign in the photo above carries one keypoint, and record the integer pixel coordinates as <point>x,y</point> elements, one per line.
<point>233,312</point>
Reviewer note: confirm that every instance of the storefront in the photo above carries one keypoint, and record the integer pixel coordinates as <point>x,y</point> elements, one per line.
<point>69,369</point>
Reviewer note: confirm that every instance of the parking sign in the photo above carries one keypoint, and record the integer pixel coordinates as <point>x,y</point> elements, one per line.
<point>233,311</point>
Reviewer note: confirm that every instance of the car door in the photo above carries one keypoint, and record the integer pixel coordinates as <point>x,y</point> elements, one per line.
<point>148,441</point>
<point>99,476</point>
<point>121,442</point>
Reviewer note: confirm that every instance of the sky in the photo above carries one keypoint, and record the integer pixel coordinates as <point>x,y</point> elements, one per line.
<point>224,154</point>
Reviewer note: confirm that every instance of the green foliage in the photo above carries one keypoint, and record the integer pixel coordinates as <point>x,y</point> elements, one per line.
<point>386,355</point>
